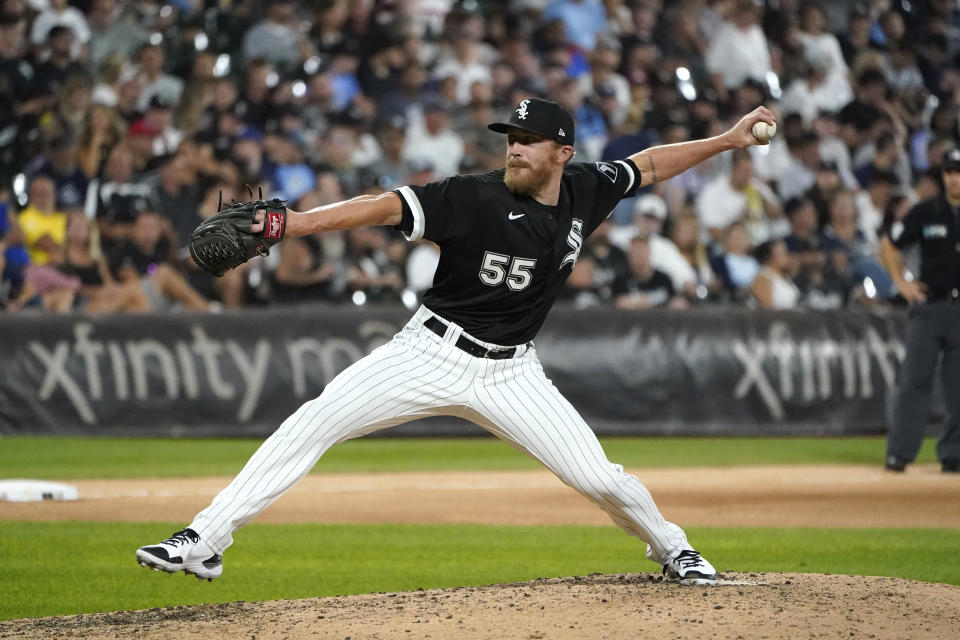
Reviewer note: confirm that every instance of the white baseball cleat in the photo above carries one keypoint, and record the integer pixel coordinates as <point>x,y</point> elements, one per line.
<point>690,568</point>
<point>183,551</point>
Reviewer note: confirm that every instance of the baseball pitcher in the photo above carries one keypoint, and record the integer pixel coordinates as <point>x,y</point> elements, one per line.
<point>508,241</point>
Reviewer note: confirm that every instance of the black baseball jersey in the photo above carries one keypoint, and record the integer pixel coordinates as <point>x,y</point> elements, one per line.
<point>934,226</point>
<point>504,257</point>
<point>119,202</point>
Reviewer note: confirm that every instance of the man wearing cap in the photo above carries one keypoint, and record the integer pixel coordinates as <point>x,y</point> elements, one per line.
<point>508,240</point>
<point>649,215</point>
<point>933,325</point>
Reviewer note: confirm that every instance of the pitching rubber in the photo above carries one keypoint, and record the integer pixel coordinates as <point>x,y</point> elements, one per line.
<point>698,582</point>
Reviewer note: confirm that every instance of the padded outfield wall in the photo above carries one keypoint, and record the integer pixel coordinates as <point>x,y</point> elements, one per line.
<point>702,371</point>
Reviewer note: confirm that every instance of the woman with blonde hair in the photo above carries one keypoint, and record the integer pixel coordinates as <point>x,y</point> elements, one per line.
<point>103,129</point>
<point>67,117</point>
<point>99,291</point>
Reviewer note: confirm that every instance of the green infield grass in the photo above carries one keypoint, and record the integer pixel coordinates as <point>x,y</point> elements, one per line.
<point>76,458</point>
<point>78,567</point>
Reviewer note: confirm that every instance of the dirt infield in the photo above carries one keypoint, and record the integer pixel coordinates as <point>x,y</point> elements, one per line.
<point>812,496</point>
<point>621,606</point>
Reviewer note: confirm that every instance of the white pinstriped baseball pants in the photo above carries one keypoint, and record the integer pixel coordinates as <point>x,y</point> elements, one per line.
<point>420,374</point>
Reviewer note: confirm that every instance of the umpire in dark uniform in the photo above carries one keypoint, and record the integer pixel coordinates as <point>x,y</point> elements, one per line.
<point>933,326</point>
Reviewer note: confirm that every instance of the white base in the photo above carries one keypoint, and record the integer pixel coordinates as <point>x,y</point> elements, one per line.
<point>35,491</point>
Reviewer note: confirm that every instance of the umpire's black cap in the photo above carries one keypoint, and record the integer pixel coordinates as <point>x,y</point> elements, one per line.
<point>540,116</point>
<point>951,160</point>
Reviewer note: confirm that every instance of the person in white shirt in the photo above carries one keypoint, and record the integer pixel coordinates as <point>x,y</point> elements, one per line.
<point>739,50</point>
<point>467,61</point>
<point>832,149</point>
<point>112,32</point>
<point>820,44</point>
<point>872,204</point>
<point>902,71</point>
<point>773,288</point>
<point>738,196</point>
<point>60,13</point>
<point>276,38</point>
<point>156,83</point>
<point>430,139</point>
<point>817,90</point>
<point>799,175</point>
<point>649,214</point>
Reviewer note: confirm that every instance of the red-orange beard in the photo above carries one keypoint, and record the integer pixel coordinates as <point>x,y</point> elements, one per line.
<point>524,179</point>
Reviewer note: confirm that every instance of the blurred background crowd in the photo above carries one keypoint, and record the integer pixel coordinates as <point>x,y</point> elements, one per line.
<point>123,123</point>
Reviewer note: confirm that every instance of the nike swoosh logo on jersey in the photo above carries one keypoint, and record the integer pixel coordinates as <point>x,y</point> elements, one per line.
<point>515,216</point>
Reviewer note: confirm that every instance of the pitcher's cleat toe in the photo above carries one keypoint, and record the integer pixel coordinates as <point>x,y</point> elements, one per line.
<point>183,551</point>
<point>690,568</point>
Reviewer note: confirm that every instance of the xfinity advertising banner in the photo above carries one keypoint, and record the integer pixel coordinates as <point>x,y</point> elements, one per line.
<point>656,372</point>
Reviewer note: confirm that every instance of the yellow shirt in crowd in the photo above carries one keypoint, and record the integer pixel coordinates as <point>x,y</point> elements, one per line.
<point>36,224</point>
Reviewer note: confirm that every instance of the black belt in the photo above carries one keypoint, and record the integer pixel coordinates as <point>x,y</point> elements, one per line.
<point>464,343</point>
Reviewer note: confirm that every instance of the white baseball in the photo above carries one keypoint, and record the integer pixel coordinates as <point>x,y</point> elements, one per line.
<point>763,131</point>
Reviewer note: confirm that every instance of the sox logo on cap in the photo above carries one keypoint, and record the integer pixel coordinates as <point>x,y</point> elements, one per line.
<point>522,109</point>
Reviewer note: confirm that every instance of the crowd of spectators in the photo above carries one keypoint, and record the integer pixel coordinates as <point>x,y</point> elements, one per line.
<point>124,123</point>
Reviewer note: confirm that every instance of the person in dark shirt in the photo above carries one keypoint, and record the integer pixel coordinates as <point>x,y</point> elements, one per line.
<point>600,264</point>
<point>370,271</point>
<point>62,165</point>
<point>884,160</point>
<point>303,275</point>
<point>16,71</point>
<point>144,257</point>
<point>117,198</point>
<point>19,107</point>
<point>933,324</point>
<point>143,251</point>
<point>508,240</point>
<point>822,289</point>
<point>643,286</point>
<point>378,73</point>
<point>174,193</point>
<point>803,242</point>
<point>99,291</point>
<point>802,238</point>
<point>253,107</point>
<point>933,61</point>
<point>59,65</point>
<point>826,183</point>
<point>850,256</point>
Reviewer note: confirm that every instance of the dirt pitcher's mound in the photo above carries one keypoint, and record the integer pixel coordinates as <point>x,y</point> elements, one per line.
<point>755,605</point>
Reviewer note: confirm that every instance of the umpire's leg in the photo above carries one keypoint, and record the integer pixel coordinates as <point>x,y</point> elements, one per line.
<point>948,446</point>
<point>910,406</point>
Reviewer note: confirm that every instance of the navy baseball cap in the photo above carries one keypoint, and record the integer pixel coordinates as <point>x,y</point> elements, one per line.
<point>542,117</point>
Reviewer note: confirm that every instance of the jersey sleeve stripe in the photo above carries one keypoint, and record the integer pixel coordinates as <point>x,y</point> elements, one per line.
<point>418,220</point>
<point>626,165</point>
